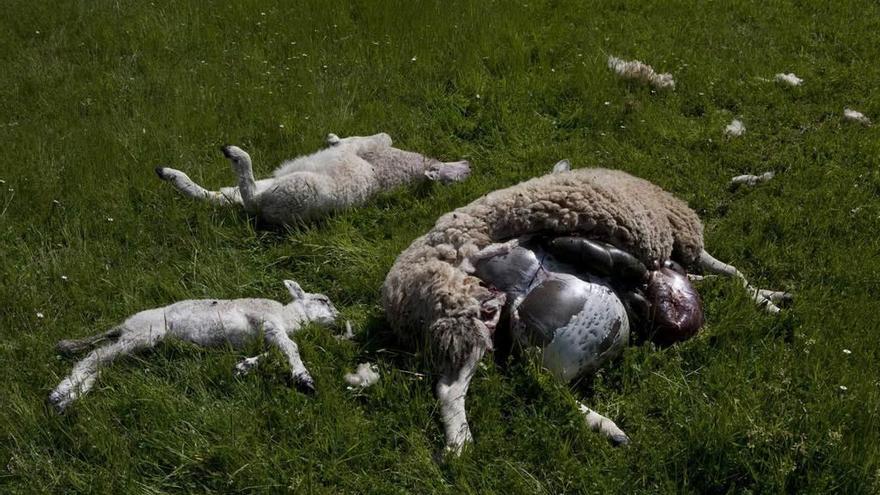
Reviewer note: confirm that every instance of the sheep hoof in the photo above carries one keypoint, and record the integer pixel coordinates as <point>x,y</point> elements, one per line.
<point>58,401</point>
<point>305,385</point>
<point>163,174</point>
<point>619,440</point>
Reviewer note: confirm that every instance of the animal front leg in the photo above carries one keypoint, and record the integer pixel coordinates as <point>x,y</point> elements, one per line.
<point>451,391</point>
<point>247,365</point>
<point>276,335</point>
<point>765,298</point>
<point>189,188</point>
<point>603,426</point>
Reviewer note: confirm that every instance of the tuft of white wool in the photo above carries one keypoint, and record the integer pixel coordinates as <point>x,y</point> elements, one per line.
<point>751,180</point>
<point>789,78</point>
<point>366,375</point>
<point>735,128</point>
<point>636,70</point>
<point>855,116</point>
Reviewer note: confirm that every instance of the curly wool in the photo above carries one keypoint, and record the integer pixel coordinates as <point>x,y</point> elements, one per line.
<point>635,70</point>
<point>428,296</point>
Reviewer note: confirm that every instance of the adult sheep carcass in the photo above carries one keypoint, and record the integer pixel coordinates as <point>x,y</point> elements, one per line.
<point>433,296</point>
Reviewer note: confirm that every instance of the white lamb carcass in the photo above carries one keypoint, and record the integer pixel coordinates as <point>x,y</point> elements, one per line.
<point>345,174</point>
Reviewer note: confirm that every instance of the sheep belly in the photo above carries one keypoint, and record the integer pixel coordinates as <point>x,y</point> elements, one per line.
<point>596,330</point>
<point>211,322</point>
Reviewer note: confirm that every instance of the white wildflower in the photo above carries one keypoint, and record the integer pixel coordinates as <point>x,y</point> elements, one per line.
<point>109,219</point>
<point>847,351</point>
<point>843,388</point>
<point>64,278</point>
<point>40,315</point>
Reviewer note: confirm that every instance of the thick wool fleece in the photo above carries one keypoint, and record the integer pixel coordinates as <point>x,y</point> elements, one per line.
<point>428,295</point>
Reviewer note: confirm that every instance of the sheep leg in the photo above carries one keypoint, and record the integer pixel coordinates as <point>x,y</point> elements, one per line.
<point>86,371</point>
<point>247,365</point>
<point>603,426</point>
<point>360,144</point>
<point>74,346</point>
<point>764,298</point>
<point>189,188</point>
<point>277,335</point>
<point>451,391</point>
<point>449,172</point>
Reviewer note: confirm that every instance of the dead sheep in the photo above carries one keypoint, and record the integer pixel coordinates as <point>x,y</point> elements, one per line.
<point>345,174</point>
<point>432,297</point>
<point>206,322</point>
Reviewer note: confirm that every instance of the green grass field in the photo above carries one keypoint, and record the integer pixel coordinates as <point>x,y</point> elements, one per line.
<point>96,94</point>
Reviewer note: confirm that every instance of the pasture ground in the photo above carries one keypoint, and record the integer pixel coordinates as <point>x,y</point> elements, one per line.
<point>96,94</point>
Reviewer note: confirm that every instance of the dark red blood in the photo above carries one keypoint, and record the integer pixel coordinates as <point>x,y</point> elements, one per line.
<point>677,312</point>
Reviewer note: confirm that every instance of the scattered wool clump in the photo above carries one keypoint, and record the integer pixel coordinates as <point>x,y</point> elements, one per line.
<point>735,128</point>
<point>790,79</point>
<point>854,116</point>
<point>638,71</point>
<point>366,375</point>
<point>751,180</point>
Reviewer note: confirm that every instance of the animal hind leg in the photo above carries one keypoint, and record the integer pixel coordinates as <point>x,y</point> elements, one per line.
<point>74,346</point>
<point>86,371</point>
<point>449,172</point>
<point>189,188</point>
<point>451,391</point>
<point>360,144</point>
<point>603,426</point>
<point>765,298</point>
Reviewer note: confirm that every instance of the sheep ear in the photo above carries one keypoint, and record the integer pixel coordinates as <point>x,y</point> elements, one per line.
<point>562,166</point>
<point>296,291</point>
